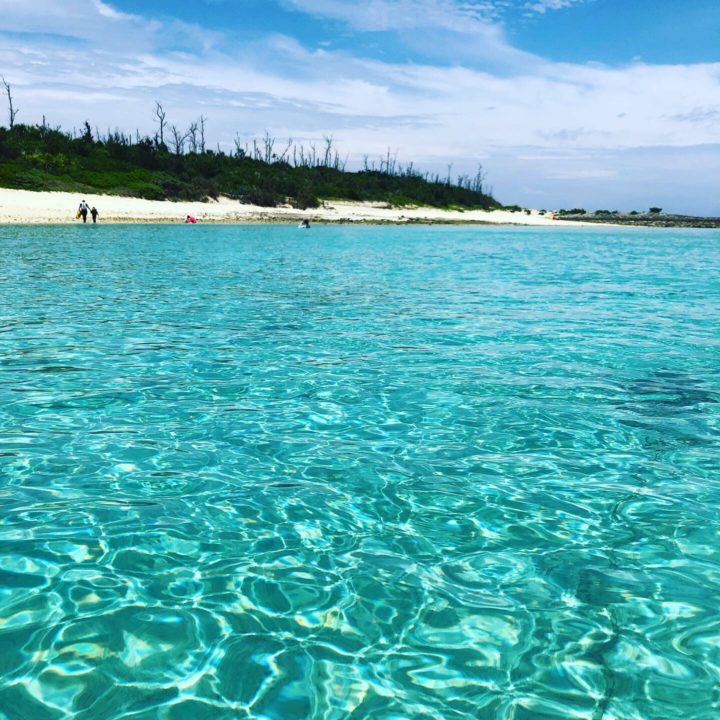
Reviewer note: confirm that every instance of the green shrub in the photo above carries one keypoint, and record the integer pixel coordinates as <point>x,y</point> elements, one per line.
<point>305,199</point>
<point>39,158</point>
<point>258,196</point>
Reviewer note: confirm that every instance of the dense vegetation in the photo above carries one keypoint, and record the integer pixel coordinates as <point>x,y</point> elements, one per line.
<point>38,157</point>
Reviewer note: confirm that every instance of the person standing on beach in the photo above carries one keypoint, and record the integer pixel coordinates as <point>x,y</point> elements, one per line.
<point>83,210</point>
<point>94,214</point>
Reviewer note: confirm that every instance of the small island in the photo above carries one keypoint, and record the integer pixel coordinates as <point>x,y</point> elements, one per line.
<point>178,165</point>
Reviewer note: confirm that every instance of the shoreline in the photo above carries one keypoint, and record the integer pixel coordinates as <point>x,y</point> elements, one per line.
<point>26,207</point>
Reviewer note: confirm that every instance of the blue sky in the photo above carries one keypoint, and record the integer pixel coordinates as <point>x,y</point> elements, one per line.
<point>599,103</point>
<point>608,31</point>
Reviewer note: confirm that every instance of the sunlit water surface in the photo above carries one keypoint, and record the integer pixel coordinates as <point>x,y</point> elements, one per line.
<point>368,472</point>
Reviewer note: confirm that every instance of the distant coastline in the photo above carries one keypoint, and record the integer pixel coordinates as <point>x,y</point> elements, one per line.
<point>19,207</point>
<point>46,172</point>
<point>645,220</point>
<point>30,207</point>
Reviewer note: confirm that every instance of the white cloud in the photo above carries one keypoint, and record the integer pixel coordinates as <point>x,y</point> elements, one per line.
<point>383,15</point>
<point>110,12</point>
<point>463,16</point>
<point>543,6</point>
<point>453,31</point>
<point>709,114</point>
<point>97,24</point>
<point>589,174</point>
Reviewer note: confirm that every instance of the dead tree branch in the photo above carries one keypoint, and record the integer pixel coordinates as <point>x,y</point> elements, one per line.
<point>160,115</point>
<point>12,110</point>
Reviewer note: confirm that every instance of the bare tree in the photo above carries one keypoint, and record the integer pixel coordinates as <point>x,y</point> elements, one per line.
<point>178,140</point>
<point>202,121</point>
<point>283,156</point>
<point>192,136</point>
<point>12,110</point>
<point>327,153</point>
<point>479,179</point>
<point>268,146</point>
<point>241,148</point>
<point>389,162</point>
<point>160,115</point>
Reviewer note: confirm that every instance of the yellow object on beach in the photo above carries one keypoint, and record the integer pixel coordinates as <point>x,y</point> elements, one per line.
<point>77,215</point>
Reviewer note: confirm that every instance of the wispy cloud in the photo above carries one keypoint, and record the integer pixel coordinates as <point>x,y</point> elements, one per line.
<point>543,6</point>
<point>384,15</point>
<point>443,30</point>
<point>110,12</point>
<point>459,15</point>
<point>707,114</point>
<point>566,136</point>
<point>585,174</point>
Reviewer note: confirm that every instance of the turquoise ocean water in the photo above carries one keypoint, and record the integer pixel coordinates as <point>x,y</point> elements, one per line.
<point>359,472</point>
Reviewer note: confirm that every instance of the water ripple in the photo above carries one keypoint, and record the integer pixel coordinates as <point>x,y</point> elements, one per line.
<point>364,473</point>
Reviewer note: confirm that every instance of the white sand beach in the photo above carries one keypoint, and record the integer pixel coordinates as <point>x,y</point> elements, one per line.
<point>24,206</point>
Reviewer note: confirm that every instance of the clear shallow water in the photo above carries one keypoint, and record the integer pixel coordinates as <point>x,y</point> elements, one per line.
<point>359,473</point>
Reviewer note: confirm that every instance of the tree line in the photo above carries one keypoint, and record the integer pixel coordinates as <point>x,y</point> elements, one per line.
<point>177,163</point>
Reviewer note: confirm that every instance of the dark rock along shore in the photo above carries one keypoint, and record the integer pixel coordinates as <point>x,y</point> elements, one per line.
<point>648,220</point>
